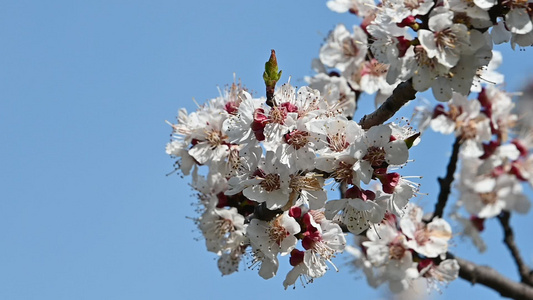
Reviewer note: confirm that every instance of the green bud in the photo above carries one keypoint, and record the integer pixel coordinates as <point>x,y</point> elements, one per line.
<point>271,74</point>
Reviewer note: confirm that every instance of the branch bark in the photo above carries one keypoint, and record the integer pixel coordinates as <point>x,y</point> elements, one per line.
<point>490,278</point>
<point>523,269</point>
<point>402,94</point>
<point>446,182</point>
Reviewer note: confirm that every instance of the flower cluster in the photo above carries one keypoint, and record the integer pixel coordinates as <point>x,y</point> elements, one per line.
<point>445,45</point>
<point>495,160</point>
<point>263,193</point>
<point>401,250</point>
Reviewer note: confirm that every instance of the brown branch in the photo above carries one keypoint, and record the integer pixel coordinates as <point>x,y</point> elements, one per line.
<point>402,94</point>
<point>446,182</point>
<point>490,278</point>
<point>523,269</point>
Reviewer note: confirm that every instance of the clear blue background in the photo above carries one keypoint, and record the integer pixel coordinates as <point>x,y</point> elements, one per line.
<point>86,211</point>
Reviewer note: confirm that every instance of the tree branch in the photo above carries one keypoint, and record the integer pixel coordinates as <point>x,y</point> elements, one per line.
<point>490,278</point>
<point>523,269</point>
<point>446,182</point>
<point>402,94</point>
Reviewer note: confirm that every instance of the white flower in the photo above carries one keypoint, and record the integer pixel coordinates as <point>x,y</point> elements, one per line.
<point>308,190</point>
<point>322,242</point>
<point>337,134</point>
<point>445,272</point>
<point>276,236</point>
<point>487,197</point>
<point>342,48</point>
<point>387,250</point>
<point>270,185</point>
<point>359,212</point>
<point>211,143</point>
<point>380,148</point>
<point>335,90</point>
<point>221,227</point>
<point>238,127</point>
<point>471,228</point>
<point>297,149</point>
<point>431,239</point>
<point>445,40</point>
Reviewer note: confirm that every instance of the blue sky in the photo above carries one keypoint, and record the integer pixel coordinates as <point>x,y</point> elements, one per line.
<point>86,210</point>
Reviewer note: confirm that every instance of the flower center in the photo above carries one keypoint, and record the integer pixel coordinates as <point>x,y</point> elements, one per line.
<point>396,251</point>
<point>297,138</point>
<point>224,227</point>
<point>455,112</point>
<point>375,68</point>
<point>214,138</point>
<point>278,115</point>
<point>488,198</point>
<point>445,39</point>
<point>308,183</point>
<point>423,59</point>
<point>350,47</point>
<point>343,173</point>
<point>422,236</point>
<point>271,182</point>
<point>469,130</point>
<point>337,142</point>
<point>277,232</point>
<point>375,155</point>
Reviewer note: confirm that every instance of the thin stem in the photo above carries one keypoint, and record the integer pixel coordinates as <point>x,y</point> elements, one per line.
<point>446,182</point>
<point>523,269</point>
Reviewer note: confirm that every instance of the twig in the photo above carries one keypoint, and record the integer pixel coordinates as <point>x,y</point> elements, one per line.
<point>446,182</point>
<point>402,94</point>
<point>523,269</point>
<point>490,278</point>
